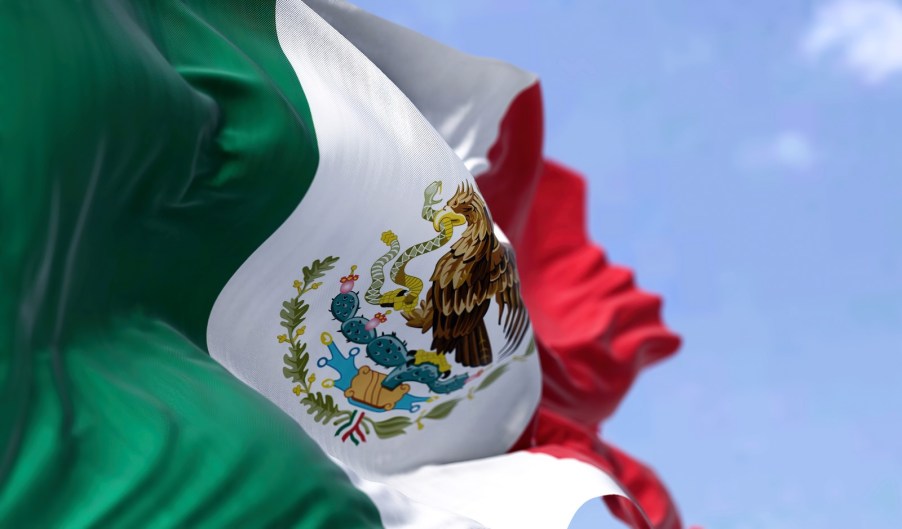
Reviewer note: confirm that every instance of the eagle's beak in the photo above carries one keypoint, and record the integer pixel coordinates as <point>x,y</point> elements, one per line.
<point>447,213</point>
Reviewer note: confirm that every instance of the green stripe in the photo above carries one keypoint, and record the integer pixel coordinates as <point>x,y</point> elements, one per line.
<point>146,149</point>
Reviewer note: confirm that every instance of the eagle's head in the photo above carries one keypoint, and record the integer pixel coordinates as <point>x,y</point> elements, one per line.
<point>466,206</point>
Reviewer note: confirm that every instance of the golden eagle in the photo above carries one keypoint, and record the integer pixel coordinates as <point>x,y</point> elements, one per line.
<point>477,268</point>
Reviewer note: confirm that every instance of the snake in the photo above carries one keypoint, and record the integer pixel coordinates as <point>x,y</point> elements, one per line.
<point>407,297</point>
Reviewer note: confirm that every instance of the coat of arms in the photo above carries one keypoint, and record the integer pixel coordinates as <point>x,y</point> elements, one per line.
<point>373,372</point>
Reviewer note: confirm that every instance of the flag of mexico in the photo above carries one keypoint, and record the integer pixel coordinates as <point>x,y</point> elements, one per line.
<point>285,264</point>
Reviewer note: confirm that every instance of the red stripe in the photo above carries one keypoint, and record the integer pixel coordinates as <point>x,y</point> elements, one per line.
<point>515,163</point>
<point>596,330</point>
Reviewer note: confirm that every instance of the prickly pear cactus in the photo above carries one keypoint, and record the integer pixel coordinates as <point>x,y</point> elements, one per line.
<point>355,330</point>
<point>345,306</point>
<point>387,350</point>
<point>425,374</point>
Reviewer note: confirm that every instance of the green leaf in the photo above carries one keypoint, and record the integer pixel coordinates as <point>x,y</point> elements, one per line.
<point>391,427</point>
<point>530,350</point>
<point>322,407</point>
<point>318,269</point>
<point>293,312</point>
<point>296,362</point>
<point>492,377</point>
<point>442,410</point>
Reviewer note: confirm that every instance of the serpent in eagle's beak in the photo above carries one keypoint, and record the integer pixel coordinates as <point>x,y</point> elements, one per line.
<point>447,213</point>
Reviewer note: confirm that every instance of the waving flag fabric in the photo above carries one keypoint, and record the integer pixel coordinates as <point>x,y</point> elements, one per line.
<point>286,264</point>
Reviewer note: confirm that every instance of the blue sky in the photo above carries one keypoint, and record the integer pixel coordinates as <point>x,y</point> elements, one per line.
<point>744,159</point>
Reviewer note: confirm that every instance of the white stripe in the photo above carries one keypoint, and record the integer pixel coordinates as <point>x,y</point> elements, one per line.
<point>377,155</point>
<point>511,491</point>
<point>399,511</point>
<point>463,97</point>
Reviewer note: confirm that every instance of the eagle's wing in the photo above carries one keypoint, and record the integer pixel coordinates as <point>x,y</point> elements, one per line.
<point>459,292</point>
<point>505,286</point>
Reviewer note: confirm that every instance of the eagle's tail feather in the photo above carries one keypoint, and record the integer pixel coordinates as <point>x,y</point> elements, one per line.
<point>474,349</point>
<point>515,333</point>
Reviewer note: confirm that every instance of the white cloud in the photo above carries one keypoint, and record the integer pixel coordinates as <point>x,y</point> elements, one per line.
<point>788,150</point>
<point>866,35</point>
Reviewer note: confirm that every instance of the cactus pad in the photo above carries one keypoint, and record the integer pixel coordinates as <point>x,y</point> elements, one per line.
<point>387,350</point>
<point>355,331</point>
<point>344,306</point>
